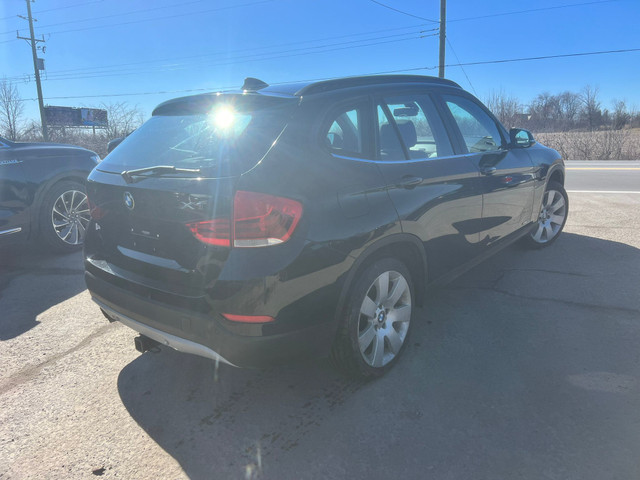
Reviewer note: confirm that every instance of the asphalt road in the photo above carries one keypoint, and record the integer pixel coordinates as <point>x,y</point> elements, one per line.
<point>605,176</point>
<point>527,367</point>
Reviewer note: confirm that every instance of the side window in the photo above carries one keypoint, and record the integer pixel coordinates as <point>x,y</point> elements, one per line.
<point>414,116</point>
<point>389,146</point>
<point>344,133</point>
<point>479,131</point>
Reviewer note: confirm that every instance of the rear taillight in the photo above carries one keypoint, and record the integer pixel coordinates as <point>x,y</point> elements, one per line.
<point>212,232</point>
<point>259,220</point>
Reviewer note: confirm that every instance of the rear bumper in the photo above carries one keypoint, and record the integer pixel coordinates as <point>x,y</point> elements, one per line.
<point>208,335</point>
<point>177,343</point>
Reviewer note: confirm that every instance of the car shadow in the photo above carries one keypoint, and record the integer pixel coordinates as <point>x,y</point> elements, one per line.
<point>486,377</point>
<point>31,281</point>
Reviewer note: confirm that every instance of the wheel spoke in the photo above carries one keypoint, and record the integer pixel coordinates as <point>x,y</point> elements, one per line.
<point>398,290</point>
<point>73,199</point>
<point>366,337</point>
<point>549,231</point>
<point>74,237</point>
<point>63,215</point>
<point>368,307</point>
<point>382,286</point>
<point>66,208</point>
<point>61,224</point>
<point>378,351</point>
<point>401,314</point>
<point>83,199</point>
<point>556,219</point>
<point>395,342</point>
<point>557,206</point>
<point>64,234</point>
<point>538,235</point>
<point>81,231</point>
<point>551,195</point>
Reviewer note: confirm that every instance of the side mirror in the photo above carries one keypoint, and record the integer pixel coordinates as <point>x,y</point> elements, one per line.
<point>521,138</point>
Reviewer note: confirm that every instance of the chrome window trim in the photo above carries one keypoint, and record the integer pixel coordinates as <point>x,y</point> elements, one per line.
<point>413,160</point>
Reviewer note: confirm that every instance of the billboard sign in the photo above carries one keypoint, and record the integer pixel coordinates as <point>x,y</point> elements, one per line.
<point>93,117</point>
<point>75,117</point>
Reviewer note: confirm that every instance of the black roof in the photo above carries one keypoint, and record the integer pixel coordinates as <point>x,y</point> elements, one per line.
<point>311,87</point>
<point>297,89</point>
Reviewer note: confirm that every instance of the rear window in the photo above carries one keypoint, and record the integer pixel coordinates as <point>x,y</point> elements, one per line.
<point>223,137</point>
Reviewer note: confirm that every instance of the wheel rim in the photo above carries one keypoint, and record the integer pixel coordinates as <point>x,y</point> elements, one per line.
<point>551,218</point>
<point>384,319</point>
<point>70,217</point>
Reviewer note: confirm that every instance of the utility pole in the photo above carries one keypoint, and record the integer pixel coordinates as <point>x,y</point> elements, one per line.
<point>33,42</point>
<point>443,36</point>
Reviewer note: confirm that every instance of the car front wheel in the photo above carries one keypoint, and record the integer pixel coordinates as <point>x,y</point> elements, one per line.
<point>552,216</point>
<point>376,322</point>
<point>65,216</point>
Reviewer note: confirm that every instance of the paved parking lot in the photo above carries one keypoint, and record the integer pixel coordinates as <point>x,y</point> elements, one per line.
<point>526,367</point>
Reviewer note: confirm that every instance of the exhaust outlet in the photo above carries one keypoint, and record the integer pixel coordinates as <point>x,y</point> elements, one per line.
<point>144,343</point>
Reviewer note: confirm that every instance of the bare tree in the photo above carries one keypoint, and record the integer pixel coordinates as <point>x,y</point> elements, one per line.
<point>123,119</point>
<point>591,106</point>
<point>506,107</point>
<point>620,116</point>
<point>11,109</point>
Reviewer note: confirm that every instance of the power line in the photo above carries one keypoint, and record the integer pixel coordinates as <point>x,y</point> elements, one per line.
<point>531,10</point>
<point>526,59</point>
<point>463,70</point>
<point>237,61</point>
<point>413,69</point>
<point>152,19</point>
<point>402,12</point>
<point>247,58</point>
<point>225,53</point>
<point>115,15</point>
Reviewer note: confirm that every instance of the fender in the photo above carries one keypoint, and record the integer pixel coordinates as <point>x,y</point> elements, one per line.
<point>378,249</point>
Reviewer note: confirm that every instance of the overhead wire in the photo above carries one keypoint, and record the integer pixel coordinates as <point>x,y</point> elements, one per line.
<point>402,11</point>
<point>412,69</point>
<point>227,52</point>
<point>218,9</point>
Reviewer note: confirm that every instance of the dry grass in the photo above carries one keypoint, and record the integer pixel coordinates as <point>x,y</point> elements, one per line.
<point>596,145</point>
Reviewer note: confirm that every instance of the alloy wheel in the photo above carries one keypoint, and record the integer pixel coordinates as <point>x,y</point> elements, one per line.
<point>552,216</point>
<point>70,216</point>
<point>384,319</point>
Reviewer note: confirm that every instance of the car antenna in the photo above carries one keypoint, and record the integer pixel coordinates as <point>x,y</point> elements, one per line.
<point>253,84</point>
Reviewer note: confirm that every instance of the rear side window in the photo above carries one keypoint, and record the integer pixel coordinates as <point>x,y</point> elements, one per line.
<point>413,119</point>
<point>479,131</point>
<point>227,139</point>
<point>344,134</point>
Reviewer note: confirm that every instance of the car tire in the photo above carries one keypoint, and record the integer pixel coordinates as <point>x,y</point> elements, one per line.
<point>552,217</point>
<point>64,216</point>
<point>375,323</point>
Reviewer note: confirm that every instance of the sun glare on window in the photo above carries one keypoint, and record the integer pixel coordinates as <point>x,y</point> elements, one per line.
<point>223,117</point>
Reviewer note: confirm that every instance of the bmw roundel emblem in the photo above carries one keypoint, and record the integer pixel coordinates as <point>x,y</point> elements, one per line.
<point>128,200</point>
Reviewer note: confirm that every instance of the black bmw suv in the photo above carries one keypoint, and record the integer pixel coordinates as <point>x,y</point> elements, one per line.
<point>256,226</point>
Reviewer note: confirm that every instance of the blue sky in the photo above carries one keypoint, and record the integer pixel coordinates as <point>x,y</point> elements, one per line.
<point>115,50</point>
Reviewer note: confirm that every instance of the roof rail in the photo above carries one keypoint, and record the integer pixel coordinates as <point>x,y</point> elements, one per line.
<point>347,82</point>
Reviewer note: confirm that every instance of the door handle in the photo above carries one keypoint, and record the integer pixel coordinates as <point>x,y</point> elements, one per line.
<point>488,170</point>
<point>409,181</point>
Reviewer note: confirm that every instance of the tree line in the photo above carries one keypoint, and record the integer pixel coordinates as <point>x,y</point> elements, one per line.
<point>563,112</point>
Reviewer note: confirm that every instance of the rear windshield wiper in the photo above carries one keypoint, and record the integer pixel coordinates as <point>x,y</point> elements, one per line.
<point>155,171</point>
